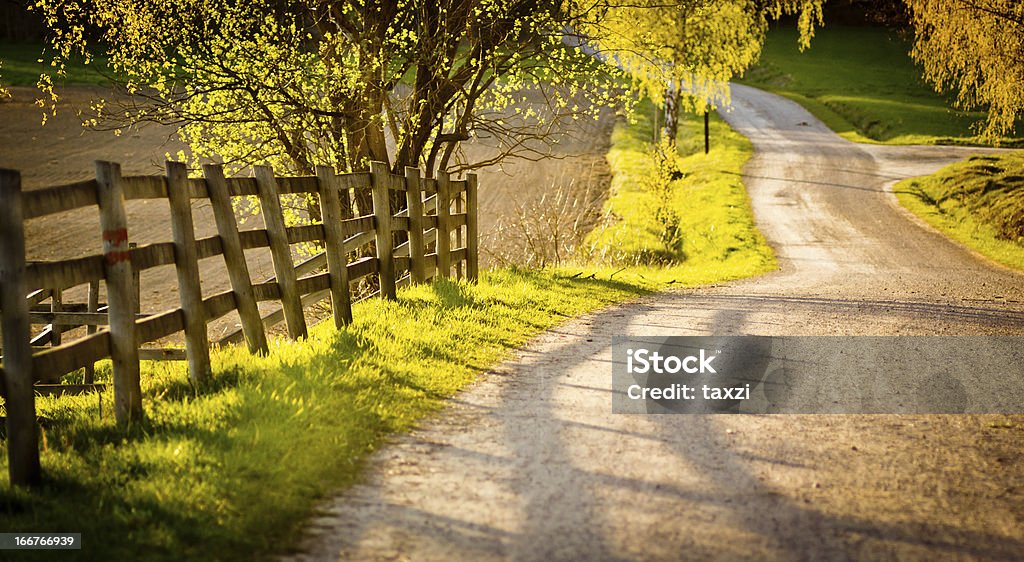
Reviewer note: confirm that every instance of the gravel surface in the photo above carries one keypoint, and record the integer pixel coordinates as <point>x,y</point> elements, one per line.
<point>530,464</point>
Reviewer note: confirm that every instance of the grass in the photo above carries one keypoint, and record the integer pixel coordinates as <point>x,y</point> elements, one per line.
<point>707,207</point>
<point>22,63</point>
<point>978,202</point>
<point>234,471</point>
<point>862,83</point>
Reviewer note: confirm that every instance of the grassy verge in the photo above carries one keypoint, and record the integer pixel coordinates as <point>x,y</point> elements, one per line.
<point>234,471</point>
<point>978,202</point>
<point>861,82</point>
<point>698,227</point>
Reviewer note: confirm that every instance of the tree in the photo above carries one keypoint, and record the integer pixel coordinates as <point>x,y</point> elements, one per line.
<point>683,53</point>
<point>975,47</point>
<point>297,83</point>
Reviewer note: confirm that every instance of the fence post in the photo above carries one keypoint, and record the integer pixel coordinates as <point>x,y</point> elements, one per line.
<point>280,250</point>
<point>382,218</point>
<point>124,349</point>
<point>334,240</point>
<point>92,306</point>
<point>22,436</point>
<point>414,200</point>
<point>459,206</point>
<point>186,263</point>
<point>472,230</point>
<point>444,226</point>
<point>56,306</point>
<point>234,258</point>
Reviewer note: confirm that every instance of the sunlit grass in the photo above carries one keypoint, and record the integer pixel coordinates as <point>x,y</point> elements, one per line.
<point>719,238</point>
<point>861,82</point>
<point>234,471</point>
<point>978,202</point>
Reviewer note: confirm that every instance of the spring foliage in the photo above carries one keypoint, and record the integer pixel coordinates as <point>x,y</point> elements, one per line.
<point>297,83</point>
<point>975,48</point>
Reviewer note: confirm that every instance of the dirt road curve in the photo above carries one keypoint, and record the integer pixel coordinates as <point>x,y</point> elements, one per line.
<point>530,464</point>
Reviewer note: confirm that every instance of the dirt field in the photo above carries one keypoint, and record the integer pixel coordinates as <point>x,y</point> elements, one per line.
<point>63,152</point>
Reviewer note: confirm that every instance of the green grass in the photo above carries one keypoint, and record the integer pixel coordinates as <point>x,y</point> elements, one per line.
<point>20,65</point>
<point>978,202</point>
<point>862,83</point>
<point>233,472</point>
<point>718,239</point>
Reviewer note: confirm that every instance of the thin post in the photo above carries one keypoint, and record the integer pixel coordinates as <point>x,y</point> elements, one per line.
<point>334,239</point>
<point>459,206</point>
<point>472,230</point>
<point>382,218</point>
<point>444,225</point>
<point>280,250</point>
<point>186,263</point>
<point>124,349</point>
<point>92,306</point>
<point>414,200</point>
<point>234,259</point>
<point>136,282</point>
<point>56,306</point>
<point>707,133</point>
<point>20,403</point>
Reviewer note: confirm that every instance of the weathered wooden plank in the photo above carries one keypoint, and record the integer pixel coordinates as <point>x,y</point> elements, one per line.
<point>472,229</point>
<point>186,259</point>
<point>234,257</point>
<point>334,239</point>
<point>356,270</point>
<point>270,203</point>
<point>54,362</point>
<point>43,337</point>
<point>151,255</point>
<point>144,187</point>
<point>152,328</point>
<point>414,202</point>
<point>306,233</point>
<point>455,187</point>
<point>65,273</point>
<point>358,225</point>
<point>220,304</point>
<point>400,224</point>
<point>42,202</point>
<point>382,219</point>
<point>444,228</point>
<point>124,349</point>
<point>22,435</point>
<point>37,296</point>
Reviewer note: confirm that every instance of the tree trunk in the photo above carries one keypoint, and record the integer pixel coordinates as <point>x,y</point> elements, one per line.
<point>671,127</point>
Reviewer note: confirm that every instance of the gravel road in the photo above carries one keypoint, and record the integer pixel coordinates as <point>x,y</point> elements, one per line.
<point>530,464</point>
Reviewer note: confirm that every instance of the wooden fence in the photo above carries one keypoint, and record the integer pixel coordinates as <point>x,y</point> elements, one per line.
<point>437,211</point>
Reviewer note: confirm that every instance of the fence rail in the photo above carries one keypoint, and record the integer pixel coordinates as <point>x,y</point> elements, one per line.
<point>354,246</point>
